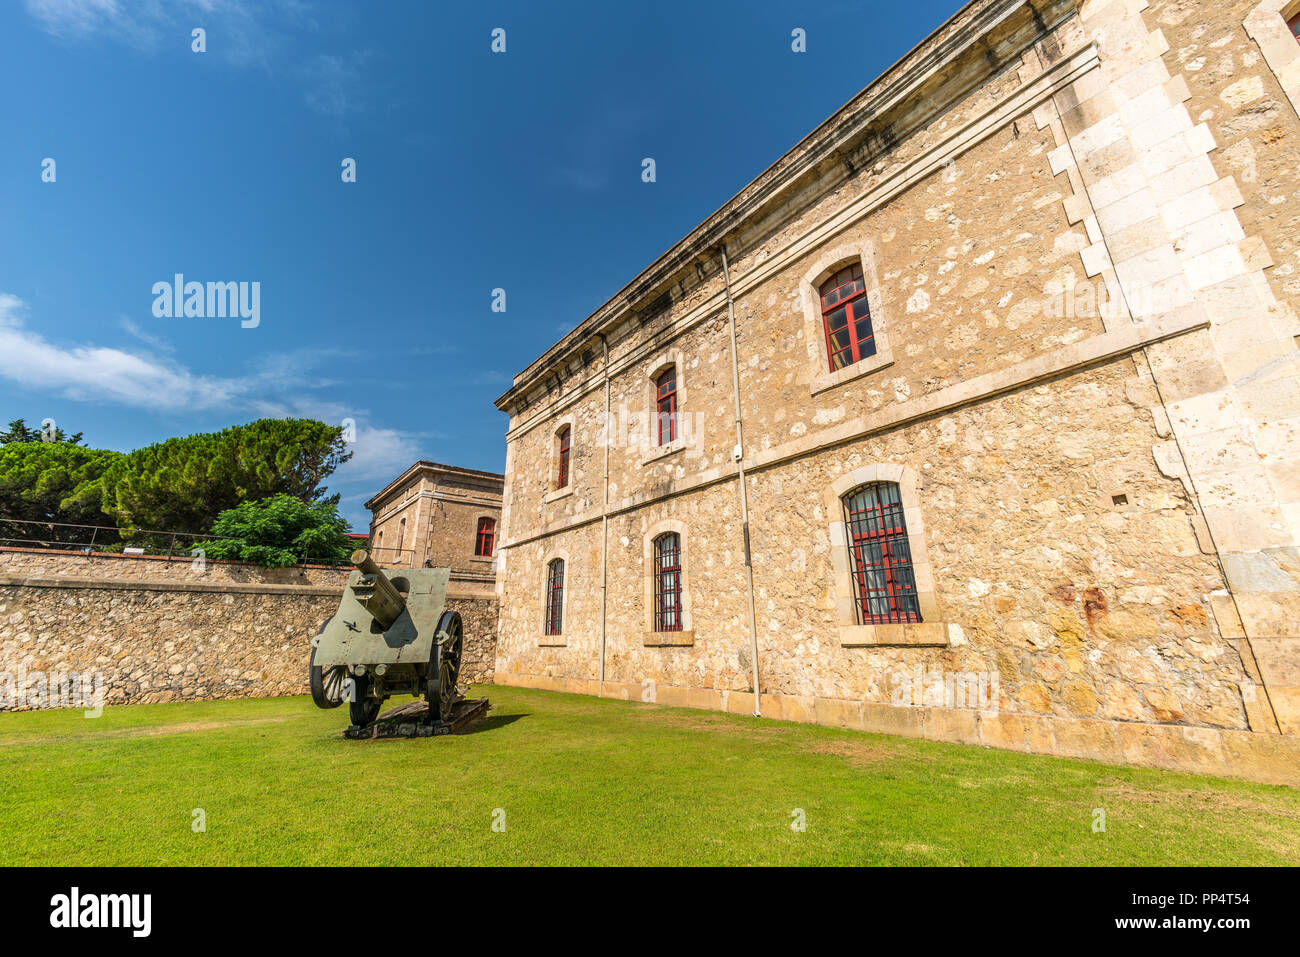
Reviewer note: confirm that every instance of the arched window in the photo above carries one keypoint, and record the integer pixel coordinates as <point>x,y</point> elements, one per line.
<point>666,406</point>
<point>846,318</point>
<point>555,597</point>
<point>668,582</point>
<point>485,537</point>
<point>562,479</point>
<point>884,587</point>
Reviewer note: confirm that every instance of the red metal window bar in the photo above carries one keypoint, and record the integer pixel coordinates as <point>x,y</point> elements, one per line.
<point>883,584</point>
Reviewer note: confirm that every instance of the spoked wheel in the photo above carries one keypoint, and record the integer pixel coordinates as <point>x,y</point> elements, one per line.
<point>444,666</point>
<point>328,685</point>
<point>364,710</point>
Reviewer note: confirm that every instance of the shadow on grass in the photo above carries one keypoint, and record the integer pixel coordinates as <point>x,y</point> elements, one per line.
<point>492,722</point>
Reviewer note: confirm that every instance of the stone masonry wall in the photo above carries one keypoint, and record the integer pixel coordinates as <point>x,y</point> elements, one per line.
<point>225,635</point>
<point>1088,373</point>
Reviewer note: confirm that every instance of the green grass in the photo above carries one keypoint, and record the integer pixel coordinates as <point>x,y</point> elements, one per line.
<point>583,780</point>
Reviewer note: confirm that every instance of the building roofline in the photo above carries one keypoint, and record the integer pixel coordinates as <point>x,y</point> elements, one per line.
<point>755,195</point>
<point>424,465</point>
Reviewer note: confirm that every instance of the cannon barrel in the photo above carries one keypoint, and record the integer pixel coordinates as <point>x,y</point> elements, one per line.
<point>375,592</point>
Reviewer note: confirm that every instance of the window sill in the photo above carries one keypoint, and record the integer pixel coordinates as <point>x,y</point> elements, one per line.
<point>669,639</point>
<point>552,641</point>
<point>662,451</point>
<point>924,633</point>
<point>558,494</point>
<point>484,559</point>
<point>829,380</point>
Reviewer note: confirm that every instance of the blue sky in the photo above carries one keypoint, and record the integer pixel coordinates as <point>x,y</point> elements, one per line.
<point>475,171</point>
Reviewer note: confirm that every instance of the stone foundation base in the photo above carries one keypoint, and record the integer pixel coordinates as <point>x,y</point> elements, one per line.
<point>1267,758</point>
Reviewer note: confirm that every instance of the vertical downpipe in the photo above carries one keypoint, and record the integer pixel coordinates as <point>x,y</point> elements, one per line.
<point>740,477</point>
<point>604,521</point>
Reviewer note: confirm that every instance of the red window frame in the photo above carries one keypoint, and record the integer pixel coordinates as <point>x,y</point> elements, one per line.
<point>566,434</point>
<point>668,582</point>
<point>666,405</point>
<point>1294,24</point>
<point>884,586</point>
<point>555,597</point>
<point>485,537</point>
<point>846,318</point>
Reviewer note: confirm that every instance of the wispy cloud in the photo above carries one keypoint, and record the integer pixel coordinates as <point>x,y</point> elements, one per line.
<point>266,34</point>
<point>133,330</point>
<point>334,82</point>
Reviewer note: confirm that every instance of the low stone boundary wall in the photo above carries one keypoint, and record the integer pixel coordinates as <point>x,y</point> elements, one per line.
<point>181,636</point>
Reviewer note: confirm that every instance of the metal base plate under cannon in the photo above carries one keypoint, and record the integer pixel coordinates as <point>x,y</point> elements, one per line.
<point>412,720</point>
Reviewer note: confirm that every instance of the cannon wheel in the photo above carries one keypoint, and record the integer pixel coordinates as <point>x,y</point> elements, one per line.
<point>364,710</point>
<point>328,685</point>
<point>444,667</point>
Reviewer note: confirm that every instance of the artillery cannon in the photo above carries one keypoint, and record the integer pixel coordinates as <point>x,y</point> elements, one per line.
<point>389,636</point>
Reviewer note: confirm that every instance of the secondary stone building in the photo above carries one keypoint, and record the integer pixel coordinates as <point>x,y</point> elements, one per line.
<point>440,516</point>
<point>976,416</point>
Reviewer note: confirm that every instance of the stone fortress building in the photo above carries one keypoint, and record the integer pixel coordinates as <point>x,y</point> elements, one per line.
<point>975,417</point>
<point>440,516</point>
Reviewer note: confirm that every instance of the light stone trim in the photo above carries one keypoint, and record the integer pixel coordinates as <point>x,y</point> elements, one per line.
<point>1168,222</point>
<point>1026,98</point>
<point>826,265</point>
<point>929,630</point>
<point>562,639</point>
<point>119,584</point>
<point>663,638</point>
<point>1063,360</point>
<point>1266,25</point>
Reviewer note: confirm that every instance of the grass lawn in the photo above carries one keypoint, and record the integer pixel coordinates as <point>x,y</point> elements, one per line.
<point>583,780</point>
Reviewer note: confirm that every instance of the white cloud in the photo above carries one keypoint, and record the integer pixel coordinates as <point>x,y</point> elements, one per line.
<point>100,372</point>
<point>334,83</point>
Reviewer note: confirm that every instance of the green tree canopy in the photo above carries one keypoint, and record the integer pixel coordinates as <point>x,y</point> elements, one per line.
<point>19,432</point>
<point>281,530</point>
<point>37,481</point>
<point>183,484</point>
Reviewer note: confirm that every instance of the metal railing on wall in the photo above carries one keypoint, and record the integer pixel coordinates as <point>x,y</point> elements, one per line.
<point>155,543</point>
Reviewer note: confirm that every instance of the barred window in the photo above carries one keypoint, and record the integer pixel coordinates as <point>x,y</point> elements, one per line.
<point>562,479</point>
<point>846,318</point>
<point>555,597</point>
<point>668,582</point>
<point>884,587</point>
<point>485,537</point>
<point>666,406</point>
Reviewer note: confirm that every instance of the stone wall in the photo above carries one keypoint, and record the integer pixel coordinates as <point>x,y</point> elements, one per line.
<point>1086,381</point>
<point>160,631</point>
